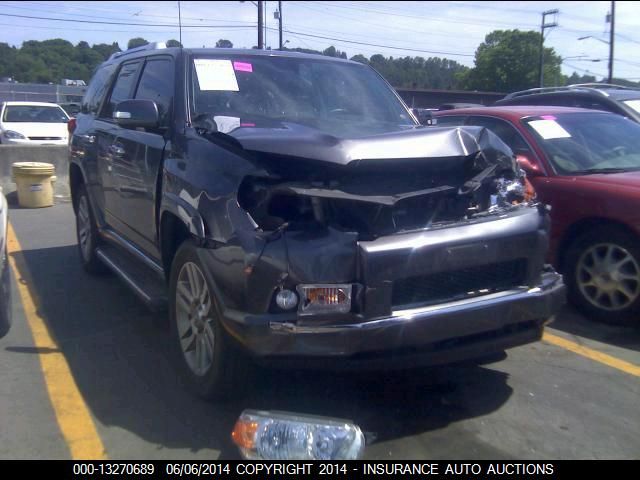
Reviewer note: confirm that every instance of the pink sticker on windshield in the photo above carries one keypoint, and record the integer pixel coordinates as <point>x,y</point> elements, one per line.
<point>242,67</point>
<point>548,117</point>
<point>247,124</point>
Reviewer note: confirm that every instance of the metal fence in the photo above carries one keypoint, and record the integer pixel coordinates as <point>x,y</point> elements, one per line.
<point>34,92</point>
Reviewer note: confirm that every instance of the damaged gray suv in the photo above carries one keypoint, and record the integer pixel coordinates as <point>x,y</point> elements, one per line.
<point>288,209</point>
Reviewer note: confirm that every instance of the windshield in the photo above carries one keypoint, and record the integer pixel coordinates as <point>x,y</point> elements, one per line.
<point>635,104</point>
<point>583,143</point>
<point>34,114</point>
<point>341,99</point>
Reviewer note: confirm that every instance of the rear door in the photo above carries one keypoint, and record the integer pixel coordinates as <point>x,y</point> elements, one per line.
<point>137,157</point>
<point>111,151</point>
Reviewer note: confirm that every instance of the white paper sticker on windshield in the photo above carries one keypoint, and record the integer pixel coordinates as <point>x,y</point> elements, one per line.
<point>216,75</point>
<point>635,104</point>
<point>549,129</point>
<point>226,124</point>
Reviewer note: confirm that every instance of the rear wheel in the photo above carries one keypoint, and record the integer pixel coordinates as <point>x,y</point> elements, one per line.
<point>212,365</point>
<point>603,275</point>
<point>87,233</point>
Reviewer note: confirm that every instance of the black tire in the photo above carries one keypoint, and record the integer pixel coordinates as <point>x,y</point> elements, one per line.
<point>86,230</point>
<point>5,295</point>
<point>609,246</point>
<point>227,375</point>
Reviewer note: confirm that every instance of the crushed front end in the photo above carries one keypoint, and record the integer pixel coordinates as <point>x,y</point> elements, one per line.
<point>406,249</point>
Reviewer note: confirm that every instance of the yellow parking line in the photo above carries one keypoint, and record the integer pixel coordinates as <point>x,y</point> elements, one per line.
<point>70,409</point>
<point>594,355</point>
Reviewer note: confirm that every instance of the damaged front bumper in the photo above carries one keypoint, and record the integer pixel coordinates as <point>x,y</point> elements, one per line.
<point>431,335</point>
<point>423,298</point>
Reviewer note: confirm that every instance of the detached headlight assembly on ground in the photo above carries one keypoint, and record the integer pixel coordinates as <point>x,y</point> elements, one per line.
<point>324,298</point>
<point>13,135</point>
<point>262,435</point>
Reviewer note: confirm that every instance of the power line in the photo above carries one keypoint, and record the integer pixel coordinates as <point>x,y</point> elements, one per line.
<point>376,45</point>
<point>585,71</point>
<point>120,23</point>
<point>414,17</point>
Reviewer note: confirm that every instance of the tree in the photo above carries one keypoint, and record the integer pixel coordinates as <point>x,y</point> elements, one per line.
<point>136,42</point>
<point>360,58</point>
<point>105,50</point>
<point>224,44</point>
<point>173,43</point>
<point>508,60</point>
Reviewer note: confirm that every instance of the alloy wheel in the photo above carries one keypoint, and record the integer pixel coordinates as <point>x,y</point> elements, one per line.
<point>194,319</point>
<point>608,276</point>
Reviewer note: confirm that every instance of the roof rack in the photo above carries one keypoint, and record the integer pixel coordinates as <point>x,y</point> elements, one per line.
<point>602,85</point>
<point>536,90</point>
<point>148,46</point>
<point>577,86</point>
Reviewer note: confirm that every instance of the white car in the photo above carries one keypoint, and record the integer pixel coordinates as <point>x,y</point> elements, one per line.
<point>33,123</point>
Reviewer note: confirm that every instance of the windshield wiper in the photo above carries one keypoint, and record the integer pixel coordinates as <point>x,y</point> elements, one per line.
<point>591,171</point>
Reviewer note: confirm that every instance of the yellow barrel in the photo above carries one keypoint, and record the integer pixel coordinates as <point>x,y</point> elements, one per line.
<point>34,182</point>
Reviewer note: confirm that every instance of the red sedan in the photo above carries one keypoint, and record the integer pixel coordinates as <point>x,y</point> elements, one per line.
<point>586,165</point>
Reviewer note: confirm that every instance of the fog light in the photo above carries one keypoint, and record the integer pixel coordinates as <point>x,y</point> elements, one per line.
<point>286,299</point>
<point>264,435</point>
<point>328,298</point>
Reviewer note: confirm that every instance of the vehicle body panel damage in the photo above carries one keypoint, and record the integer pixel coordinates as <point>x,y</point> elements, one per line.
<point>325,221</point>
<point>258,246</point>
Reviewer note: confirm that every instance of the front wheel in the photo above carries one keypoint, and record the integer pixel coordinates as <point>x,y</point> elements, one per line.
<point>603,276</point>
<point>212,365</point>
<point>87,233</point>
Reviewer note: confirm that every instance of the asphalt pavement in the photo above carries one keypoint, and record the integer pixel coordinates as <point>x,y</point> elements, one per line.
<point>543,401</point>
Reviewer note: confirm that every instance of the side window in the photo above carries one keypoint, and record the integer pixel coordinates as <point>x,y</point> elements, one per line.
<point>98,87</point>
<point>586,102</point>
<point>448,121</point>
<point>156,83</point>
<point>123,88</point>
<point>507,133</point>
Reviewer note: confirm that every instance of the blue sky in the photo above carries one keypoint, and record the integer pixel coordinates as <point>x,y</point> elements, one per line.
<point>445,29</point>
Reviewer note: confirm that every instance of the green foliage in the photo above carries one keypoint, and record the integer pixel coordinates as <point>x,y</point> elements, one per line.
<point>508,60</point>
<point>52,60</point>
<point>222,43</point>
<point>173,43</point>
<point>137,42</point>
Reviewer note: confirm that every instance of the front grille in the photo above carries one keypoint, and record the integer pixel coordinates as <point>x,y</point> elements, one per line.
<point>45,138</point>
<point>459,284</point>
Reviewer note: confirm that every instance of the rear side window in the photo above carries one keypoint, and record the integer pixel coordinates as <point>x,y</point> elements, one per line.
<point>156,83</point>
<point>123,88</point>
<point>448,121</point>
<point>507,133</point>
<point>97,90</point>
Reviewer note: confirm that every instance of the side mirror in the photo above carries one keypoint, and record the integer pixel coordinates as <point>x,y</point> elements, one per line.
<point>137,113</point>
<point>423,116</point>
<point>530,167</point>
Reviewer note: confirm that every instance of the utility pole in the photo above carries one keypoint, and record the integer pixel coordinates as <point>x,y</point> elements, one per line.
<point>544,26</point>
<point>611,37</point>
<point>260,22</point>
<point>280,23</point>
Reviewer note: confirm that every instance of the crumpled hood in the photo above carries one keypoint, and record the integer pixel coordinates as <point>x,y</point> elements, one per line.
<point>423,142</point>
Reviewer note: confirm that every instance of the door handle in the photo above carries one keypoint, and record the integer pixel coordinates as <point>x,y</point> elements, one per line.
<point>116,151</point>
